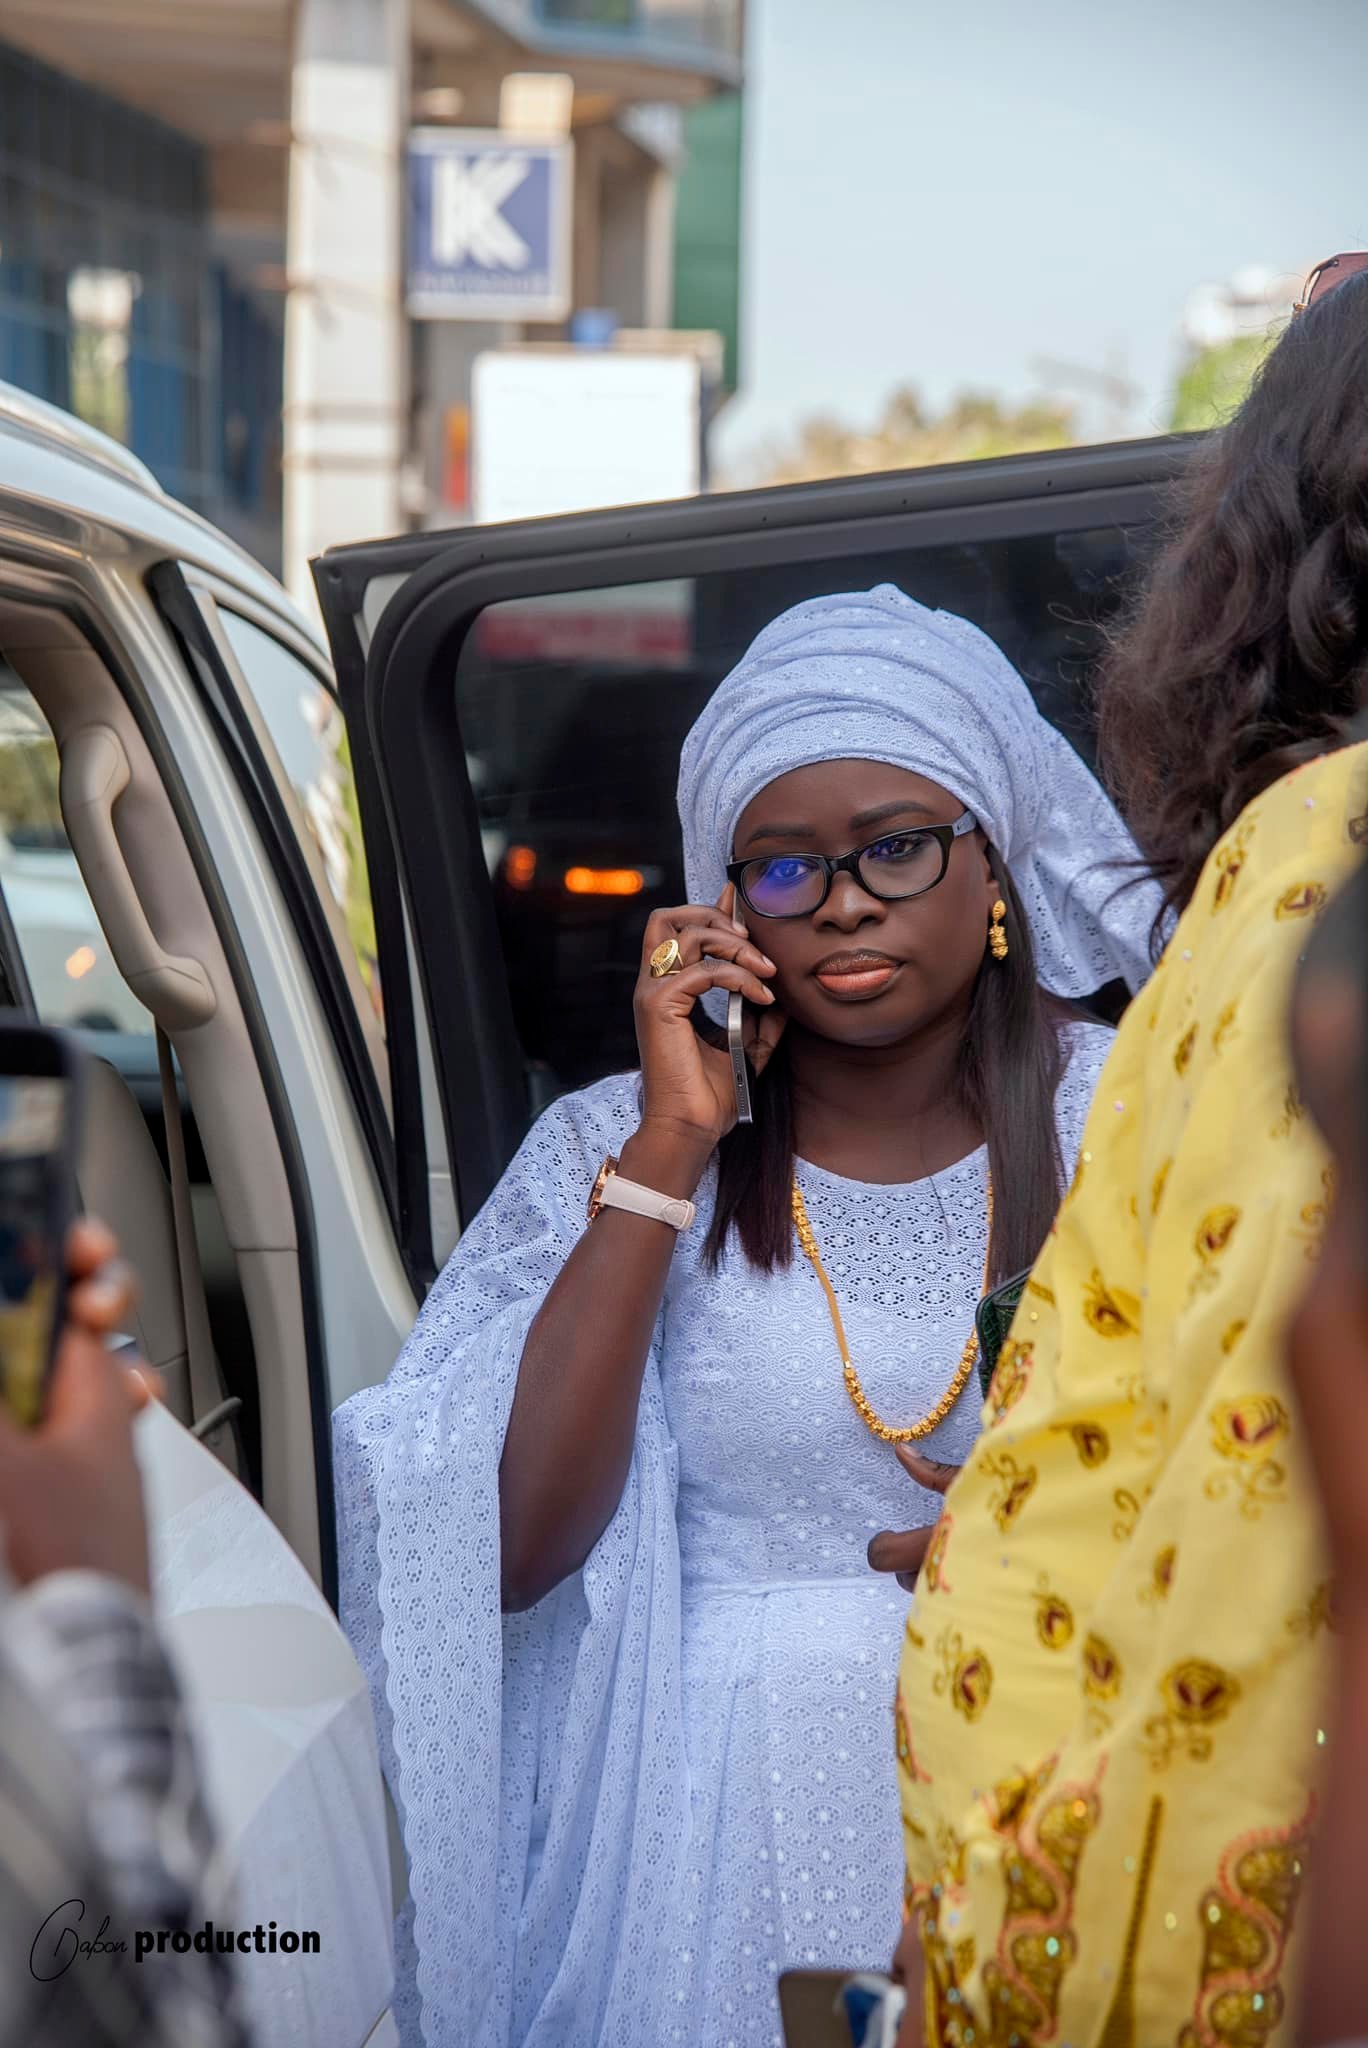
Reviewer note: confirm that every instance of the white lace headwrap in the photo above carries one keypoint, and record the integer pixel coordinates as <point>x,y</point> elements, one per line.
<point>874,676</point>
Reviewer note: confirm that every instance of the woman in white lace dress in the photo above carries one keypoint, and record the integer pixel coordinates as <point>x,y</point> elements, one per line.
<point>605,1530</point>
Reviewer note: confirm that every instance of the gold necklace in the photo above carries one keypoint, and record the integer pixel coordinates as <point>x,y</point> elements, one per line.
<point>867,1414</point>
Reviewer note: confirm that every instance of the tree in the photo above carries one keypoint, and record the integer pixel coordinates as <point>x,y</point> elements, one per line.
<point>909,436</point>
<point>1214,381</point>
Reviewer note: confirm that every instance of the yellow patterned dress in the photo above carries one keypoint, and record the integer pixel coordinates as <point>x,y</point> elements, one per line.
<point>1107,1717</point>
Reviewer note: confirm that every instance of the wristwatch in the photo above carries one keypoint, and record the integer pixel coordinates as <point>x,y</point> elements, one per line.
<point>611,1191</point>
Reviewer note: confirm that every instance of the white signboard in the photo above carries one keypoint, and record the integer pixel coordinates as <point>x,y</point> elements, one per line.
<point>576,429</point>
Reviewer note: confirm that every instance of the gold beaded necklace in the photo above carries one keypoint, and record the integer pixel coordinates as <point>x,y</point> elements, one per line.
<point>867,1414</point>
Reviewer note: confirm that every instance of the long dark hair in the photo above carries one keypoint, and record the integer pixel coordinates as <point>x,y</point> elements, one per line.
<point>1247,652</point>
<point>1009,1070</point>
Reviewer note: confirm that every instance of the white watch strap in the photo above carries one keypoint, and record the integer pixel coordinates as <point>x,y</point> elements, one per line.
<point>618,1193</point>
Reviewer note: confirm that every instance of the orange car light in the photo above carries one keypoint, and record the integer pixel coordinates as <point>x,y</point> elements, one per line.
<point>604,881</point>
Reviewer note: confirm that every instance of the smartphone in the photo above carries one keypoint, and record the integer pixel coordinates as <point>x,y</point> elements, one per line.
<point>736,1046</point>
<point>41,1095</point>
<point>833,2009</point>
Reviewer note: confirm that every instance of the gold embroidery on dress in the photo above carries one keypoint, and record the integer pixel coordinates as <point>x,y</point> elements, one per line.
<point>1247,1918</point>
<point>965,1675</point>
<point>903,1743</point>
<point>1233,1336</point>
<point>1229,859</point>
<point>1118,2029</point>
<point>1307,899</point>
<point>1293,1110</point>
<point>1014,1487</point>
<point>1183,1051</point>
<point>1108,1310</point>
<point>1040,1291</point>
<point>1315,1215</point>
<point>1160,1183</point>
<point>1246,1433</point>
<point>1054,1616</point>
<point>1090,1440</point>
<point>1036,1943</point>
<point>1161,1578</point>
<point>1101,1682</point>
<point>1225,1025</point>
<point>933,1568</point>
<point>1011,1377</point>
<point>1317,1614</point>
<point>1196,1696</point>
<point>1214,1234</point>
<point>1128,1513</point>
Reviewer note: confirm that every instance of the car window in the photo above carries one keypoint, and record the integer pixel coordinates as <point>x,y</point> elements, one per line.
<point>70,968</point>
<point>573,709</point>
<point>310,737</point>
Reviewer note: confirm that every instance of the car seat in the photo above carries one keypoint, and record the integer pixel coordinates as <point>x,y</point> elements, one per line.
<point>121,1180</point>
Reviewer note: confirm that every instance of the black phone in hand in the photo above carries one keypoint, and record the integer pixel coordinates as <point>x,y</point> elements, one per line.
<point>736,1047</point>
<point>41,1097</point>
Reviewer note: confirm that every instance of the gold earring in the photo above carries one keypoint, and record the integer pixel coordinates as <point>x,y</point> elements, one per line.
<point>997,937</point>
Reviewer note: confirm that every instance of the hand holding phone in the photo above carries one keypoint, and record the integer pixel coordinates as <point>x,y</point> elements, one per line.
<point>70,1486</point>
<point>40,1103</point>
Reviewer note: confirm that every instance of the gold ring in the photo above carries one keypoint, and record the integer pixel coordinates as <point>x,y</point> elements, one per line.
<point>666,959</point>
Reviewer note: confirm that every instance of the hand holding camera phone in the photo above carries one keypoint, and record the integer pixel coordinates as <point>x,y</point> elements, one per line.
<point>40,1109</point>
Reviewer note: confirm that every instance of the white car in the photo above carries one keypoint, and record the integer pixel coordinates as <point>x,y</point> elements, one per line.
<point>384,899</point>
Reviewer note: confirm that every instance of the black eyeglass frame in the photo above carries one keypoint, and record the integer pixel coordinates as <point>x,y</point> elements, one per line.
<point>849,864</point>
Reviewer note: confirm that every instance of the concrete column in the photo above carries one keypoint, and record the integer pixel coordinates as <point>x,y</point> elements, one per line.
<point>659,264</point>
<point>346,363</point>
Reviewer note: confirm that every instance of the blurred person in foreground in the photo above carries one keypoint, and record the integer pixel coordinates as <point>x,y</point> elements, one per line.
<point>1330,1379</point>
<point>102,1826</point>
<point>1111,1687</point>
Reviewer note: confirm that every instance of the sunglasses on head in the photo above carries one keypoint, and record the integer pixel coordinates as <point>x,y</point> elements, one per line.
<point>898,865</point>
<point>1327,275</point>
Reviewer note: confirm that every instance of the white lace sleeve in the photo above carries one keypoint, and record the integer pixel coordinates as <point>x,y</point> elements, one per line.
<point>1089,1048</point>
<point>537,1761</point>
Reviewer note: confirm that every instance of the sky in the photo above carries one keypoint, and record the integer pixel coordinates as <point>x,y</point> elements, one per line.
<point>944,194</point>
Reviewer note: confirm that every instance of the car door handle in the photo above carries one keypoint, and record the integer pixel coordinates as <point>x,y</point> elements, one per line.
<point>95,773</point>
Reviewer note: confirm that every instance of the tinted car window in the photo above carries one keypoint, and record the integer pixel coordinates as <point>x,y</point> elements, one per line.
<point>573,710</point>
<point>71,971</point>
<point>310,736</point>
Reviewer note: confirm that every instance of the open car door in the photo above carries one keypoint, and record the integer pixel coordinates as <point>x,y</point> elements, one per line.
<point>517,697</point>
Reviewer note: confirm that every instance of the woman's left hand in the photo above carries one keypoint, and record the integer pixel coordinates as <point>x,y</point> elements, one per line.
<point>903,1551</point>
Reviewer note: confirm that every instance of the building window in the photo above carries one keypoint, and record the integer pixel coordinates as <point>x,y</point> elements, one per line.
<point>104,270</point>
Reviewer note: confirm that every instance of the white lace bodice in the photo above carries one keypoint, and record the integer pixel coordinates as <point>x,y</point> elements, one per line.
<point>629,1809</point>
<point>778,1474</point>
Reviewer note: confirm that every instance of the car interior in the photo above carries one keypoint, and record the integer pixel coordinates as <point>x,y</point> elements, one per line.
<point>573,760</point>
<point>191,1177</point>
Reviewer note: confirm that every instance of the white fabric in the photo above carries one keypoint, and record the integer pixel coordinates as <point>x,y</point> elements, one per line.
<point>282,1727</point>
<point>627,1811</point>
<point>874,676</point>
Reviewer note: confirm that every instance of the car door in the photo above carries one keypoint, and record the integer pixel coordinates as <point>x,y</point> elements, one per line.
<point>517,698</point>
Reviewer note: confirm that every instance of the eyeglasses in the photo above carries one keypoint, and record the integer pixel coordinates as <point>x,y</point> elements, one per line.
<point>899,865</point>
<point>1327,275</point>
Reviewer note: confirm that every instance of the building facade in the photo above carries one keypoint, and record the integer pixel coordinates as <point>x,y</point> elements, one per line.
<point>206,220</point>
